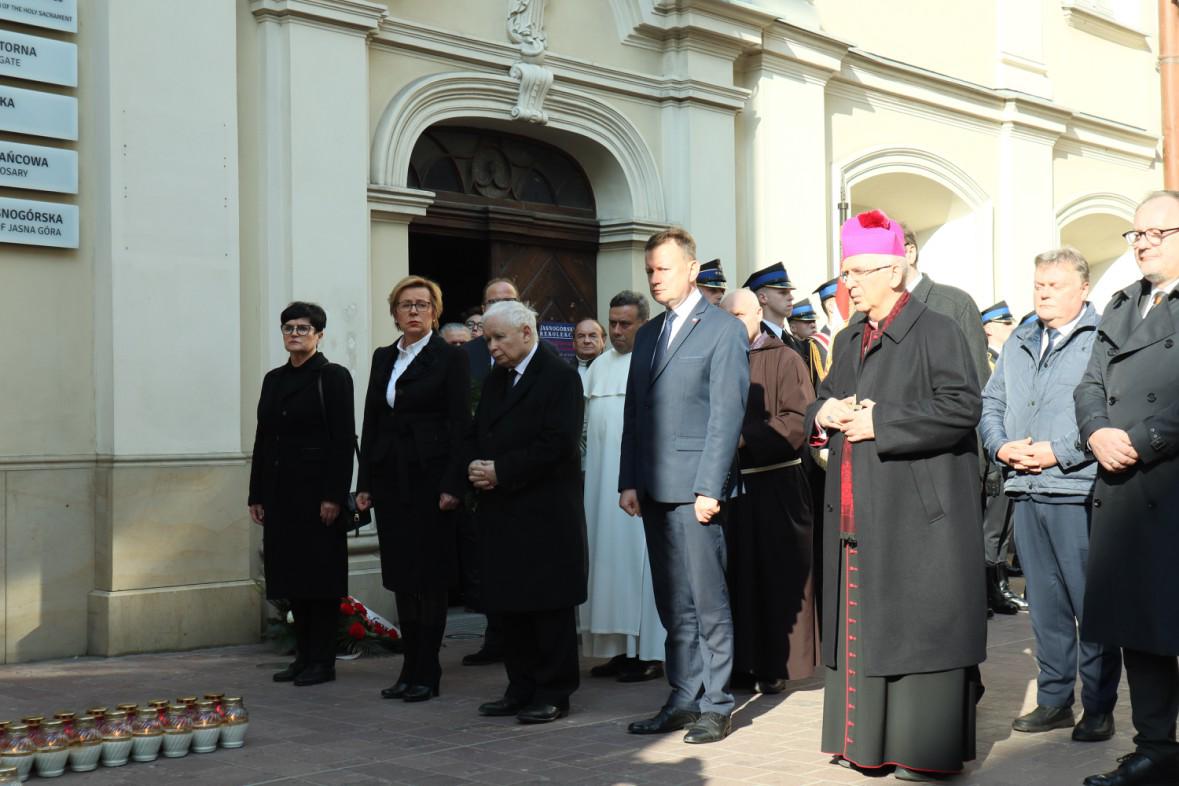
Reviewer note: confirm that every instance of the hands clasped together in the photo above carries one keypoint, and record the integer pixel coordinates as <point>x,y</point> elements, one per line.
<point>853,418</point>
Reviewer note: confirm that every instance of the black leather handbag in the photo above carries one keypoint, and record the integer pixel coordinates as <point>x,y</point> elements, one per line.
<point>351,518</point>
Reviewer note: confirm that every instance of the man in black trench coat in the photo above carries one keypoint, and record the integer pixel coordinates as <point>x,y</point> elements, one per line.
<point>524,461</point>
<point>1128,417</point>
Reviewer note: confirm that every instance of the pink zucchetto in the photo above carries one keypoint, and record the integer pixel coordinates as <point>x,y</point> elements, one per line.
<point>871,233</point>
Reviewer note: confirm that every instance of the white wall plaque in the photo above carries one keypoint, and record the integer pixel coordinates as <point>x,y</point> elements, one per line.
<point>40,59</point>
<point>53,14</point>
<point>39,168</point>
<point>38,223</point>
<point>37,113</point>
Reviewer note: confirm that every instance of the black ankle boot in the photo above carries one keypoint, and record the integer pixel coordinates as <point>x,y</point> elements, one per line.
<point>1005,588</point>
<point>995,598</point>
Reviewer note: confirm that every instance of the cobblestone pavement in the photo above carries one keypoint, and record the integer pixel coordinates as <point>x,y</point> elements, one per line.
<point>344,733</point>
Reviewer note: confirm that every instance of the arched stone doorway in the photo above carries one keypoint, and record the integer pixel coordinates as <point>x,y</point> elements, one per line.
<point>945,208</point>
<point>504,206</point>
<point>1094,225</point>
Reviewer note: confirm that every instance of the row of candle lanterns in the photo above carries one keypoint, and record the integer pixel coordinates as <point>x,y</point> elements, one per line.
<point>112,737</point>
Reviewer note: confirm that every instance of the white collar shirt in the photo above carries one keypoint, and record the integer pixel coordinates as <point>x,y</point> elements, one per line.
<point>1165,289</point>
<point>1064,331</point>
<point>405,356</point>
<point>682,312</point>
<point>522,366</point>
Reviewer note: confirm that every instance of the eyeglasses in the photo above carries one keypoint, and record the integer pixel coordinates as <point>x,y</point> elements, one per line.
<point>1153,236</point>
<point>414,305</point>
<point>495,300</point>
<point>858,275</point>
<point>298,330</point>
<point>473,323</point>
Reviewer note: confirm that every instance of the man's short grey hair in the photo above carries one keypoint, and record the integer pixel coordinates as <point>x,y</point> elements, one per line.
<point>628,297</point>
<point>511,312</point>
<point>1164,193</point>
<point>1066,256</point>
<point>450,327</point>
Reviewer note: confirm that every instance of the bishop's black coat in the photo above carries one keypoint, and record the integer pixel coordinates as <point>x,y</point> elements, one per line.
<point>532,525</point>
<point>409,455</point>
<point>917,514</point>
<point>299,461</point>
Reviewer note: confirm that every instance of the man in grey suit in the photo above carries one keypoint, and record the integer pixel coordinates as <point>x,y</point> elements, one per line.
<point>685,402</point>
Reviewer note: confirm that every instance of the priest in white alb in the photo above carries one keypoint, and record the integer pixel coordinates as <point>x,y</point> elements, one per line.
<point>618,620</point>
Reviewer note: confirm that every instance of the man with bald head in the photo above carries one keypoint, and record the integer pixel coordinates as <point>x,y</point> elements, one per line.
<point>770,528</point>
<point>1128,416</point>
<point>589,341</point>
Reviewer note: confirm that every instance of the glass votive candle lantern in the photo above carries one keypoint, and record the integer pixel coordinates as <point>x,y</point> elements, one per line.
<point>9,776</point>
<point>235,723</point>
<point>128,708</point>
<point>67,722</point>
<point>33,727</point>
<point>19,751</point>
<point>87,747</point>
<point>53,751</point>
<point>4,733</point>
<point>116,739</point>
<point>160,706</point>
<point>147,734</point>
<point>177,732</point>
<point>206,728</point>
<point>98,713</point>
<point>217,699</point>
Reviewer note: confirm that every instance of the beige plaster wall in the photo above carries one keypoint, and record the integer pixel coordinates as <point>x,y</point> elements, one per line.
<point>952,38</point>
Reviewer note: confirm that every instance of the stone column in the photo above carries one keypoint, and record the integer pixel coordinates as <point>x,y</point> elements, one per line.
<point>1025,211</point>
<point>311,177</point>
<point>620,261</point>
<point>170,543</point>
<point>784,200</point>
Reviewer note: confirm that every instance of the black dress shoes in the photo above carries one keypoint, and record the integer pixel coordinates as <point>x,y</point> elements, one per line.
<point>501,709</point>
<point>712,727</point>
<point>483,657</point>
<point>541,713</point>
<point>1136,769</point>
<point>611,668</point>
<point>916,776</point>
<point>1044,719</point>
<point>770,687</point>
<point>315,674</point>
<point>1094,727</point>
<point>396,691</point>
<point>420,692</point>
<point>641,671</point>
<point>667,720</point>
<point>290,672</point>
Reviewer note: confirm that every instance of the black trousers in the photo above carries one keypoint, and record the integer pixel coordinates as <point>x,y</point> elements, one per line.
<point>315,630</point>
<point>996,524</point>
<point>422,616</point>
<point>1154,701</point>
<point>540,655</point>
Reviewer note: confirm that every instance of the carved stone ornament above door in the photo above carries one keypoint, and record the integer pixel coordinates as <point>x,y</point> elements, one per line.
<point>526,30</point>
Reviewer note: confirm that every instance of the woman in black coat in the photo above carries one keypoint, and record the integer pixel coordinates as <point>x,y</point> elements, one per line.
<point>415,413</point>
<point>299,480</point>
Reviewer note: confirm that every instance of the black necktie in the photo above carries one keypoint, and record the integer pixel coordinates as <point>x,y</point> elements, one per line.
<point>664,336</point>
<point>513,377</point>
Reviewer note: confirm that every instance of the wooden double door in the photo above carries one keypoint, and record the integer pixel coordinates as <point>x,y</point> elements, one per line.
<point>552,259</point>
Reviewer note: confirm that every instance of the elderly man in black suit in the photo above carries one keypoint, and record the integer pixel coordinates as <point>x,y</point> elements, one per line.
<point>524,462</point>
<point>685,402</point>
<point>1128,416</point>
<point>497,290</point>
